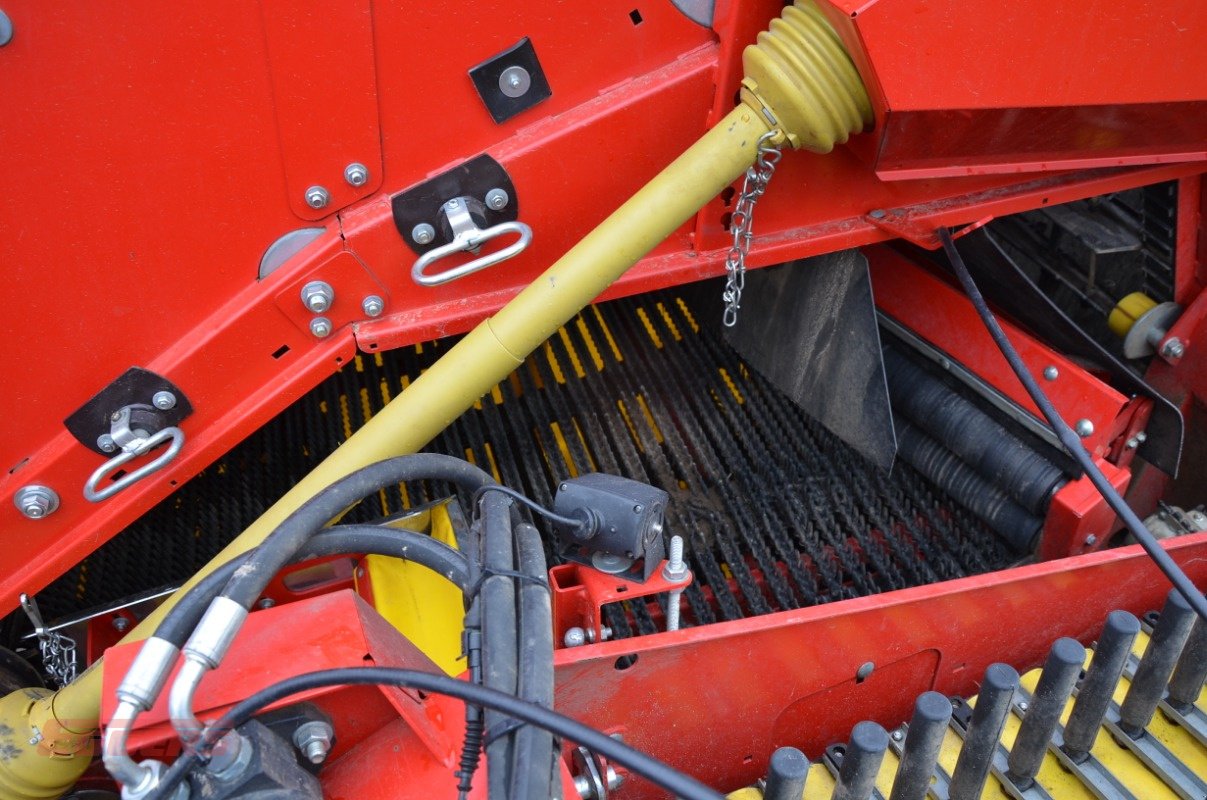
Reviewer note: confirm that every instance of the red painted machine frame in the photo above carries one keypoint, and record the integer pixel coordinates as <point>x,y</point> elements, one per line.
<point>174,181</point>
<point>788,678</point>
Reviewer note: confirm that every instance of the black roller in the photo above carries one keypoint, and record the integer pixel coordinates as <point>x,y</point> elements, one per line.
<point>923,740</point>
<point>1094,696</point>
<point>980,743</point>
<point>1043,715</point>
<point>861,762</point>
<point>1188,676</point>
<point>1152,676</point>
<point>1008,519</point>
<point>786,775</point>
<point>999,457</point>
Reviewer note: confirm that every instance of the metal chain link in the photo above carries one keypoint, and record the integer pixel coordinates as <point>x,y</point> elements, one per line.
<point>58,651</point>
<point>742,223</point>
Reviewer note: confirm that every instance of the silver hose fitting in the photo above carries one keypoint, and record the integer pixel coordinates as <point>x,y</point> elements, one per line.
<point>148,673</point>
<point>180,699</point>
<point>154,771</point>
<point>114,754</point>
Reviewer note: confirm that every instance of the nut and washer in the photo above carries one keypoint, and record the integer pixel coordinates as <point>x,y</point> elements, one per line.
<point>356,174</point>
<point>423,233</point>
<point>1051,373</point>
<point>105,442</point>
<point>497,199</point>
<point>36,501</point>
<point>320,327</point>
<point>318,296</point>
<point>314,740</point>
<point>1173,349</point>
<point>372,306</point>
<point>1083,428</point>
<point>164,401</point>
<point>317,197</point>
<point>515,82</point>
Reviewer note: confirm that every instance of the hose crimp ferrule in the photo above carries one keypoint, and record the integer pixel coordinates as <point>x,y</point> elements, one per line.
<point>216,631</point>
<point>145,679</point>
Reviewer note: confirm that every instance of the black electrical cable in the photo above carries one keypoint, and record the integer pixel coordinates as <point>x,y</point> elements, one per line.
<point>670,780</point>
<point>178,624</point>
<point>552,516</point>
<point>1069,439</point>
<point>246,585</point>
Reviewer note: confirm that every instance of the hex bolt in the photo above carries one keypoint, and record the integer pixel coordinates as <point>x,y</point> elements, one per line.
<point>356,174</point>
<point>320,327</point>
<point>318,296</point>
<point>877,213</point>
<point>105,443</point>
<point>1173,349</point>
<point>423,233</point>
<point>164,401</point>
<point>121,624</point>
<point>317,197</point>
<point>266,602</point>
<point>1091,540</point>
<point>1051,373</point>
<point>575,637</point>
<point>675,571</point>
<point>1084,428</point>
<point>514,82</point>
<point>372,306</point>
<point>497,199</point>
<point>314,740</point>
<point>36,501</point>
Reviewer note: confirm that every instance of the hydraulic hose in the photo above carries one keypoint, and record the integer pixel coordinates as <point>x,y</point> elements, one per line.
<point>673,782</point>
<point>534,747</point>
<point>500,649</point>
<point>247,584</point>
<point>799,81</point>
<point>180,621</point>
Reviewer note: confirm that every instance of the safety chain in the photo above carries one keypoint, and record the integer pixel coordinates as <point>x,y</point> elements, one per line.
<point>58,651</point>
<point>742,223</point>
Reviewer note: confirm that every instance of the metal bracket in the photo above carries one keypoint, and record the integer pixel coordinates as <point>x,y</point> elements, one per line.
<point>459,215</point>
<point>136,386</point>
<point>134,442</point>
<point>511,82</point>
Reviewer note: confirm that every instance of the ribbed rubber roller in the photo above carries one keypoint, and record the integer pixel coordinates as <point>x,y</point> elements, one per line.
<point>800,71</point>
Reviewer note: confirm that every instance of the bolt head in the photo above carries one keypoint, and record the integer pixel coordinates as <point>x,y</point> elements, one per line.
<point>317,197</point>
<point>515,82</point>
<point>320,327</point>
<point>575,637</point>
<point>1173,348</point>
<point>1091,540</point>
<point>266,602</point>
<point>121,624</point>
<point>356,174</point>
<point>423,233</point>
<point>1022,706</point>
<point>318,296</point>
<point>373,306</point>
<point>105,443</point>
<point>1083,428</point>
<point>897,736</point>
<point>164,401</point>
<point>1051,373</point>
<point>497,199</point>
<point>35,501</point>
<point>877,213</point>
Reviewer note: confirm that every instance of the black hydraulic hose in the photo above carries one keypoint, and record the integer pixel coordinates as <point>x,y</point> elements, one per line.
<point>534,746</point>
<point>672,781</point>
<point>249,582</point>
<point>500,648</point>
<point>1070,439</point>
<point>475,724</point>
<point>178,624</point>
